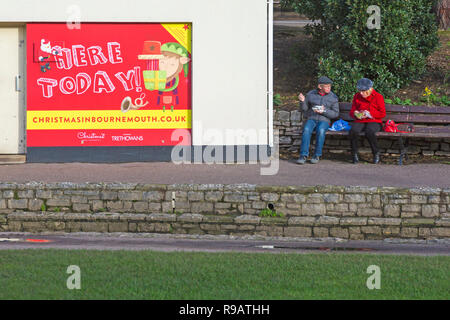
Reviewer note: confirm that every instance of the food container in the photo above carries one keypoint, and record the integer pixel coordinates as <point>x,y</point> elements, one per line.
<point>318,108</point>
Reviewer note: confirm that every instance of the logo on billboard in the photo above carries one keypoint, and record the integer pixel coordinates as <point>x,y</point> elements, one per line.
<point>90,137</point>
<point>126,137</point>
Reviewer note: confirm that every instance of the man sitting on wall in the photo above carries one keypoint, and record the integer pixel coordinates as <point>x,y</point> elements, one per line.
<point>319,106</point>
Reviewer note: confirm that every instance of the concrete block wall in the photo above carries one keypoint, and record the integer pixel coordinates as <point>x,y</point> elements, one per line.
<point>322,211</point>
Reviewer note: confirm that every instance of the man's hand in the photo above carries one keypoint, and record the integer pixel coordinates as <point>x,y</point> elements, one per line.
<point>301,97</point>
<point>320,111</point>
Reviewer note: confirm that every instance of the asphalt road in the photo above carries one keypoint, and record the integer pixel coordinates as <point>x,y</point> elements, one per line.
<point>168,243</point>
<point>326,172</point>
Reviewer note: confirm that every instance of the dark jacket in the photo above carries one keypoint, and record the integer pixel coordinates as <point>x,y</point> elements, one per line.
<point>313,98</point>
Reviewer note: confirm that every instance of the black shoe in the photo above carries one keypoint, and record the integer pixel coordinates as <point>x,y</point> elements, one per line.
<point>355,158</point>
<point>376,158</point>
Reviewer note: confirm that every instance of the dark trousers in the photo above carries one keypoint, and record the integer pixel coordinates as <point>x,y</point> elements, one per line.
<point>370,129</point>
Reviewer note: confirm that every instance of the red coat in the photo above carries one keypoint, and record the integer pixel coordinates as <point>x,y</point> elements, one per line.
<point>373,103</point>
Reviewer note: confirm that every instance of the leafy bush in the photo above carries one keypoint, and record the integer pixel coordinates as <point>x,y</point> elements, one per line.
<point>348,49</point>
<point>277,99</point>
<point>399,101</point>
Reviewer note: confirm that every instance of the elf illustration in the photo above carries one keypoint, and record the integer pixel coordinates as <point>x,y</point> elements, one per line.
<point>164,64</point>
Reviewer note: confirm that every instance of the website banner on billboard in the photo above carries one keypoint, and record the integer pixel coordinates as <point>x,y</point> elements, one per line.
<point>108,84</point>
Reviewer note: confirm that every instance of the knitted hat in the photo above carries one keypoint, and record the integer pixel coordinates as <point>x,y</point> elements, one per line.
<point>325,80</point>
<point>177,48</point>
<point>364,84</point>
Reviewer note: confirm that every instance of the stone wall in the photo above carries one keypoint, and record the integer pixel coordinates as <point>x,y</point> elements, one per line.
<point>289,124</point>
<point>322,211</point>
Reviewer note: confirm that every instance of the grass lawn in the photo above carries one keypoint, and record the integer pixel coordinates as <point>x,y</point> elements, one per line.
<point>41,274</point>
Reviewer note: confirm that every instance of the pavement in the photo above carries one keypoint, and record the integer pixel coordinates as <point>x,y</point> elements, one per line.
<point>326,172</point>
<point>294,23</point>
<point>210,243</point>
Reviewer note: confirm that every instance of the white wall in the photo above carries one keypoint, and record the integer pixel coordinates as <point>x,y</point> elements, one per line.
<point>229,52</point>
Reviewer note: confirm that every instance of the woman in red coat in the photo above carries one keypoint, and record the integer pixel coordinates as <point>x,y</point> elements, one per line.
<point>368,110</point>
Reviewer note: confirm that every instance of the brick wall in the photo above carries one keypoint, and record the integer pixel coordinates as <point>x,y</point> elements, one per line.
<point>322,211</point>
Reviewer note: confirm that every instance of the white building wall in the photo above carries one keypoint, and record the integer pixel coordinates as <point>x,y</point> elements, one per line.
<point>229,51</point>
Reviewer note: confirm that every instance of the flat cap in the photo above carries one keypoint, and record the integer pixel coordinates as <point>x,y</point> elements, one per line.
<point>364,84</point>
<point>325,80</point>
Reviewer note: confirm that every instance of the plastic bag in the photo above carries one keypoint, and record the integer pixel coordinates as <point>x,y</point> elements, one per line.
<point>340,125</point>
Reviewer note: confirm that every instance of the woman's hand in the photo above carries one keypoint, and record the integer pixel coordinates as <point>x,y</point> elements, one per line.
<point>367,114</point>
<point>301,97</point>
<point>359,115</point>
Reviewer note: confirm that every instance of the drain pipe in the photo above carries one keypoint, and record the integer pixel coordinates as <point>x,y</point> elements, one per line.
<point>173,202</point>
<point>270,71</point>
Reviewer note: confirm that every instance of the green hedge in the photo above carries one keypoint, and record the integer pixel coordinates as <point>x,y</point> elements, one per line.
<point>348,50</point>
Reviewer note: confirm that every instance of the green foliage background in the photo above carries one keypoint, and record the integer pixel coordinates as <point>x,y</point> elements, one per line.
<point>347,50</point>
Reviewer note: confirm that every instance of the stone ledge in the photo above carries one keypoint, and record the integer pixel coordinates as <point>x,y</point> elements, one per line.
<point>247,219</point>
<point>189,217</point>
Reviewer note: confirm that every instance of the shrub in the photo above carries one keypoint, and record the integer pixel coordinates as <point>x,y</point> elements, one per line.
<point>277,99</point>
<point>348,49</point>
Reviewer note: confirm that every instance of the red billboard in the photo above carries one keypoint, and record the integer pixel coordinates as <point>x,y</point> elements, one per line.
<point>108,84</point>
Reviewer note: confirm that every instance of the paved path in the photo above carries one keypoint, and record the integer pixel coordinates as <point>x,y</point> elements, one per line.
<point>293,23</point>
<point>160,242</point>
<point>326,172</point>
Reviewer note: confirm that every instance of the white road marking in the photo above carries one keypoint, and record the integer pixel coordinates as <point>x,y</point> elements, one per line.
<point>9,239</point>
<point>266,247</point>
